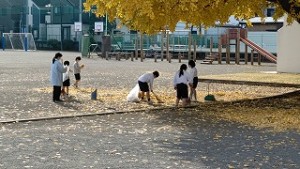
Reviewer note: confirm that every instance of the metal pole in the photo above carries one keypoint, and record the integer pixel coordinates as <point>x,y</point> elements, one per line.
<point>3,42</point>
<point>105,24</point>
<point>61,28</point>
<point>80,20</point>
<point>189,45</point>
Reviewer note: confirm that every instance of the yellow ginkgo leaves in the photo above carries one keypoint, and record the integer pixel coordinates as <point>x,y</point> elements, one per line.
<point>150,16</point>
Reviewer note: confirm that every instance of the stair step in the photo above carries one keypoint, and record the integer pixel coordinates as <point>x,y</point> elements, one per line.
<point>207,62</point>
<point>210,58</point>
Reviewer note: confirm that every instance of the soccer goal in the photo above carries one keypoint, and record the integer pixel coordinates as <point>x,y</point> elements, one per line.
<point>18,41</point>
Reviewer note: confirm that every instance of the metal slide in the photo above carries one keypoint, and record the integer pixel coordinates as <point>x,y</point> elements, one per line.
<point>260,50</point>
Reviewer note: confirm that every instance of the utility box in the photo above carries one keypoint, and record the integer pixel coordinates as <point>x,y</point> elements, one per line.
<point>85,45</point>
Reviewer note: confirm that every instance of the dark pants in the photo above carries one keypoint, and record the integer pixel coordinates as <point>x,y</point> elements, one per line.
<point>182,91</point>
<point>144,86</point>
<point>56,93</point>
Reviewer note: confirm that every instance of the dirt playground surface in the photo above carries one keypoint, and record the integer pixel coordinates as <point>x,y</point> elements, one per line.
<point>25,88</point>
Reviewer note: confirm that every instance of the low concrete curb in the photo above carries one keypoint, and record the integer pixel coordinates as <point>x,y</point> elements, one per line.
<point>90,114</point>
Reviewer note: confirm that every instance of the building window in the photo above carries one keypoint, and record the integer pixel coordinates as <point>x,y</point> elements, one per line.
<point>4,12</point>
<point>67,33</point>
<point>57,10</point>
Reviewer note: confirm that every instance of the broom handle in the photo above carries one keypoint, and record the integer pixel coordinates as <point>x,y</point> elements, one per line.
<point>208,88</point>
<point>156,96</point>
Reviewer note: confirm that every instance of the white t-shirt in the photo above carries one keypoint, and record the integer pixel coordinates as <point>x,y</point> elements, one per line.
<point>147,78</point>
<point>193,72</point>
<point>76,68</point>
<point>185,78</point>
<point>66,75</point>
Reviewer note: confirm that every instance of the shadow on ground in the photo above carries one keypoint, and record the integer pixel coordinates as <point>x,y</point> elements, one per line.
<point>221,143</point>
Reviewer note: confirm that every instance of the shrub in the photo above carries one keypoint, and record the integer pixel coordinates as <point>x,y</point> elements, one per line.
<point>68,45</point>
<point>53,44</point>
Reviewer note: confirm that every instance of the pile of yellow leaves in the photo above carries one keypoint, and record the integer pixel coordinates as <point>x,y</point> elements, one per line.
<point>276,114</point>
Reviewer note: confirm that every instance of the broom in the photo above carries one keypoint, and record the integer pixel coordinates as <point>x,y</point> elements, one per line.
<point>157,98</point>
<point>209,97</point>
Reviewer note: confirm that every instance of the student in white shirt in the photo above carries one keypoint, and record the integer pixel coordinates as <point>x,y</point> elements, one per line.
<point>143,82</point>
<point>181,82</point>
<point>77,70</point>
<point>66,78</point>
<point>194,77</point>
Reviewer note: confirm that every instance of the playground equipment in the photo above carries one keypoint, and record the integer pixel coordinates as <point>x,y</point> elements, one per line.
<point>184,45</point>
<point>165,45</point>
<point>234,36</point>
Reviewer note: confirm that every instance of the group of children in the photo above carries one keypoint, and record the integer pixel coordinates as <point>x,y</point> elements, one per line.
<point>66,76</point>
<point>60,75</point>
<point>183,79</point>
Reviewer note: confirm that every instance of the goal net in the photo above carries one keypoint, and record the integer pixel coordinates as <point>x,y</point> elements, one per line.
<point>18,41</point>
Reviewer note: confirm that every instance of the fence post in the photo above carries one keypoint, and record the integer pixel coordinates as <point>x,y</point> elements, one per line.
<point>168,51</point>
<point>25,43</point>
<point>141,45</point>
<point>211,43</point>
<point>238,46</point>
<point>195,51</point>
<point>246,54</point>
<point>119,56</point>
<point>189,45</point>
<point>162,46</point>
<point>228,47</point>
<point>3,42</point>
<point>220,50</point>
<point>259,59</point>
<point>252,53</point>
<point>136,47</point>
<point>246,47</point>
<point>179,57</point>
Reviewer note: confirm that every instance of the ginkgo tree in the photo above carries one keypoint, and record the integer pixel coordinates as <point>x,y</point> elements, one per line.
<point>150,16</point>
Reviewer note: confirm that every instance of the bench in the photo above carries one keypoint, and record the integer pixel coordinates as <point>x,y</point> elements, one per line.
<point>119,55</point>
<point>210,58</point>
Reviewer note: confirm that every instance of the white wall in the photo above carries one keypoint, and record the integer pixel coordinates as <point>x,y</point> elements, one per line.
<point>288,48</point>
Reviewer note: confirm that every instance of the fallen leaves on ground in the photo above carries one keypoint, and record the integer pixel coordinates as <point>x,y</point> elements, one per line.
<point>277,114</point>
<point>248,107</point>
<point>267,77</point>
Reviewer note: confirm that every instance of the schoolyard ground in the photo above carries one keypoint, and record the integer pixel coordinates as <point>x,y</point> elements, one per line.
<point>165,138</point>
<point>26,89</point>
